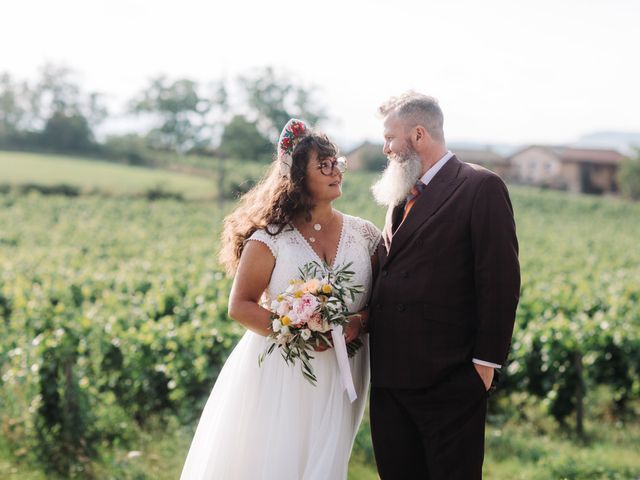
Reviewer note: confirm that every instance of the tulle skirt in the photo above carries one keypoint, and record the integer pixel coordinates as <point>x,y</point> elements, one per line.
<point>268,422</point>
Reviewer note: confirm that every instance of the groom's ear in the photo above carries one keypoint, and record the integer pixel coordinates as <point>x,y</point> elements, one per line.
<point>421,135</point>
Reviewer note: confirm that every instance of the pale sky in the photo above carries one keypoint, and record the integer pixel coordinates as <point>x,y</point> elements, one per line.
<point>542,71</point>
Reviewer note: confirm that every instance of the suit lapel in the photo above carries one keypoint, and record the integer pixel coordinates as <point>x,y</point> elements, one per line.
<point>396,217</point>
<point>391,222</point>
<point>434,195</point>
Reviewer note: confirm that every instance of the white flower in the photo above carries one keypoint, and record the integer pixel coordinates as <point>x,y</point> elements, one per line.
<point>283,308</point>
<point>305,334</point>
<point>325,326</point>
<point>283,337</point>
<point>274,306</point>
<point>276,325</point>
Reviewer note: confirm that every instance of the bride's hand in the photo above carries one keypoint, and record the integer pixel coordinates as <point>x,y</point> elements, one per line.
<point>321,346</point>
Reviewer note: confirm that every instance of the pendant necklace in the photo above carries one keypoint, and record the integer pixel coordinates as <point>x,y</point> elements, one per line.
<point>317,227</point>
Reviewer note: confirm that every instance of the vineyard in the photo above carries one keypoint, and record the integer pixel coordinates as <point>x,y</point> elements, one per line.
<point>113,315</point>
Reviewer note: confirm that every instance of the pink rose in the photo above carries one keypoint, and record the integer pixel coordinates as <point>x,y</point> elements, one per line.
<point>316,324</point>
<point>305,307</point>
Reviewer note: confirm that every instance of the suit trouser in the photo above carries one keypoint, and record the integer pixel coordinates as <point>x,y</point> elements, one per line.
<point>434,433</point>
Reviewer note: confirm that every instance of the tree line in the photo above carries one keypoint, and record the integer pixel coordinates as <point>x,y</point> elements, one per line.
<point>239,118</point>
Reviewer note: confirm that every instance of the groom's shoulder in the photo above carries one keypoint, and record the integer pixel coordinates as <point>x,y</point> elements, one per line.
<point>476,171</point>
<point>482,181</point>
<point>480,175</point>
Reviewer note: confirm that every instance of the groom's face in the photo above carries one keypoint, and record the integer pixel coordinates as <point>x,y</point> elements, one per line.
<point>397,144</point>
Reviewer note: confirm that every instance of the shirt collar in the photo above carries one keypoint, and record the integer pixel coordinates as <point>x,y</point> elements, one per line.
<point>429,174</point>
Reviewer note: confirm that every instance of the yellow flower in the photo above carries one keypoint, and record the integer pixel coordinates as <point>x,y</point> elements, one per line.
<point>280,298</point>
<point>285,321</point>
<point>298,294</point>
<point>326,288</point>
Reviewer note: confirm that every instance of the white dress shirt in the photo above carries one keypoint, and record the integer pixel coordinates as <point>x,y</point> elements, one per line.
<point>429,174</point>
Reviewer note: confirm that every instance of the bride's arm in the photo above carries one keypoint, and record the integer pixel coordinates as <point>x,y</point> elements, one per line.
<point>251,280</point>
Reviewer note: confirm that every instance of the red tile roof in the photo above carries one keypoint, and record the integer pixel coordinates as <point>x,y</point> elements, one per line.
<point>589,155</point>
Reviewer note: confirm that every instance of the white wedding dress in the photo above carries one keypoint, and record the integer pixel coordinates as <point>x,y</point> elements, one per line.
<point>269,423</point>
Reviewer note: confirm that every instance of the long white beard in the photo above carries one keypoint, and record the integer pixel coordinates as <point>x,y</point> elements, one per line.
<point>397,179</point>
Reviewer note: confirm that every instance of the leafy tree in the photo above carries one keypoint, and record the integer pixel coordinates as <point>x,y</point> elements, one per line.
<point>53,113</point>
<point>12,105</point>
<point>274,99</point>
<point>130,148</point>
<point>67,132</point>
<point>221,104</point>
<point>181,111</point>
<point>57,93</point>
<point>629,177</point>
<point>241,139</point>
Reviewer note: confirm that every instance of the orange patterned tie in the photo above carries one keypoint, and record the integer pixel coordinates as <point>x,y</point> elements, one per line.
<point>414,193</point>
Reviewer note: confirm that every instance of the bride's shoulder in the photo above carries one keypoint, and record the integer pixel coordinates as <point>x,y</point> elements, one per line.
<point>271,236</point>
<point>274,231</point>
<point>362,225</point>
<point>365,232</point>
<point>278,230</point>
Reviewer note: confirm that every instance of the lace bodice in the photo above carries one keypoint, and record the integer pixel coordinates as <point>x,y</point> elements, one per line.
<point>358,241</point>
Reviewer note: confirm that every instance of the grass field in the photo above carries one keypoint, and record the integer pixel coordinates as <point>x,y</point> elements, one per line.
<point>89,174</point>
<point>120,262</point>
<point>512,452</point>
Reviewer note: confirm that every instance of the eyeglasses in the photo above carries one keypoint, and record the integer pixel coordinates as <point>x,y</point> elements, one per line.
<point>327,167</point>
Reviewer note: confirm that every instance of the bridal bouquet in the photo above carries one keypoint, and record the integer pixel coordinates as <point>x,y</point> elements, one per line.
<point>306,313</point>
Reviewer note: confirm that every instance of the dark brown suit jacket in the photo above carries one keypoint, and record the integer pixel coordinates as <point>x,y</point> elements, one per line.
<point>448,282</point>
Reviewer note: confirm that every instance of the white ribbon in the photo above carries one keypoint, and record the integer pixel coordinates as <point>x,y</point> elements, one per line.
<point>340,346</point>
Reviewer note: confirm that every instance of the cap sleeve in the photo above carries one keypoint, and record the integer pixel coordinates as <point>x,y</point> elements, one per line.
<point>264,237</point>
<point>371,235</point>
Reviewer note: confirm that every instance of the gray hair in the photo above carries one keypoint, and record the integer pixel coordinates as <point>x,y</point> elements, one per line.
<point>417,109</point>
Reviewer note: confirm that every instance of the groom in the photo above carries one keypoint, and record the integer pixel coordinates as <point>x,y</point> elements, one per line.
<point>444,301</point>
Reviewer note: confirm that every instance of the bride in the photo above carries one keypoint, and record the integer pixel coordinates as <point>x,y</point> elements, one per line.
<point>268,422</point>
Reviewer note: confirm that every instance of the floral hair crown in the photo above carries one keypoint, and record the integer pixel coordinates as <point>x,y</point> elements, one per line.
<point>291,135</point>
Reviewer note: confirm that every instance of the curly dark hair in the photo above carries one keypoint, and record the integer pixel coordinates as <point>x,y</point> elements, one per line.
<point>274,201</point>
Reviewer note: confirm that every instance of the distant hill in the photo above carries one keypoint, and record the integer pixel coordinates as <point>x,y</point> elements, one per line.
<point>501,149</point>
<point>621,141</point>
